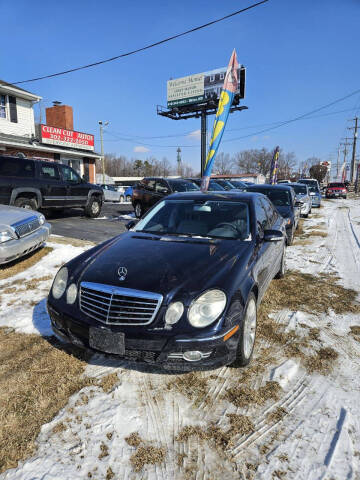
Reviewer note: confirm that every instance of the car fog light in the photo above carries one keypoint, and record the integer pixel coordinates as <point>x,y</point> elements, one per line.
<point>174,313</point>
<point>71,294</point>
<point>192,356</point>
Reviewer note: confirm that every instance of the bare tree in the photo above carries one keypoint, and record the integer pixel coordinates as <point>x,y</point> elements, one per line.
<point>223,164</point>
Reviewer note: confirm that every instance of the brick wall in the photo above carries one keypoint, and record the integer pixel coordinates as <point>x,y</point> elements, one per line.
<point>60,116</point>
<point>28,153</point>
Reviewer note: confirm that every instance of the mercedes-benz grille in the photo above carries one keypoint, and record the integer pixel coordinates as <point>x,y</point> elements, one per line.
<point>119,306</point>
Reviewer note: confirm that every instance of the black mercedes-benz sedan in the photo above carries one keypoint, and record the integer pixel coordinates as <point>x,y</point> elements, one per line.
<point>284,199</point>
<point>181,288</point>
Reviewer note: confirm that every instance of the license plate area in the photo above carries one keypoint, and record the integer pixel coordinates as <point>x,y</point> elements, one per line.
<point>106,341</point>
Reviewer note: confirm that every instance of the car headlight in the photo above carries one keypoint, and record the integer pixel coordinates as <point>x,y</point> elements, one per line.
<point>174,313</point>
<point>71,294</point>
<point>60,282</point>
<point>206,308</point>
<point>41,219</point>
<point>288,221</point>
<point>6,235</point>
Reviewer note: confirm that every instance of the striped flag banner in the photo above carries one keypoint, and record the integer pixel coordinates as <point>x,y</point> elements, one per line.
<point>274,166</point>
<point>222,114</point>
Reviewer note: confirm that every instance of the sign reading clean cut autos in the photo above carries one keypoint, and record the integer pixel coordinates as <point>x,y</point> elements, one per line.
<point>201,87</point>
<point>66,138</point>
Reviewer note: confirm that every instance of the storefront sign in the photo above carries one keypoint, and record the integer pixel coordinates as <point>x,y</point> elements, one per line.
<point>66,138</point>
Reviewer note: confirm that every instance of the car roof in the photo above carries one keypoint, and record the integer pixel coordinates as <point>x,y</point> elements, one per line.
<point>297,184</point>
<point>223,195</point>
<point>265,186</point>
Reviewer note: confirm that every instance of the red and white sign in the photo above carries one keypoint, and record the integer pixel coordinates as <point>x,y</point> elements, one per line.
<point>66,138</point>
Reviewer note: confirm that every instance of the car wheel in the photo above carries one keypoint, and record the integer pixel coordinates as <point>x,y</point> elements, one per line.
<point>247,334</point>
<point>93,208</point>
<point>290,240</point>
<point>128,198</point>
<point>138,210</point>
<point>282,270</point>
<point>306,215</point>
<point>28,203</point>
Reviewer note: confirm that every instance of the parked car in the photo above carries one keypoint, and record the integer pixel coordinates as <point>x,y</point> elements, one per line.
<point>36,184</point>
<point>334,190</point>
<point>150,190</point>
<point>126,197</point>
<point>284,181</point>
<point>181,288</point>
<point>214,186</point>
<point>21,232</point>
<point>284,200</point>
<point>314,190</point>
<point>302,194</point>
<point>226,184</point>
<point>111,194</point>
<point>240,185</point>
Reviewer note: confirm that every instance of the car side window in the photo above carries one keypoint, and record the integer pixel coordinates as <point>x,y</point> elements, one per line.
<point>261,218</point>
<point>69,175</point>
<point>49,171</point>
<point>270,211</point>
<point>17,168</point>
<point>160,186</point>
<point>150,184</point>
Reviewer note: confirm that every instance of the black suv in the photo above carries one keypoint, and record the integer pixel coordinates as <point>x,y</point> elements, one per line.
<point>150,190</point>
<point>38,184</point>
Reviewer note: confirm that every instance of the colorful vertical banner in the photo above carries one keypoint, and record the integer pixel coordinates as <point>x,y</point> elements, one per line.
<point>226,98</point>
<point>343,172</point>
<point>274,166</point>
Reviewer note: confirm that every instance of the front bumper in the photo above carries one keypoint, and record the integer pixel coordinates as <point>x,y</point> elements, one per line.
<point>13,249</point>
<point>305,209</point>
<point>153,349</point>
<point>335,195</point>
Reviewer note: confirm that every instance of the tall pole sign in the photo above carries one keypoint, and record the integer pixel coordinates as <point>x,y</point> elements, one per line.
<point>274,166</point>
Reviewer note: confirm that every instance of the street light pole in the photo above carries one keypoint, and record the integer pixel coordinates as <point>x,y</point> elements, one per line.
<point>102,125</point>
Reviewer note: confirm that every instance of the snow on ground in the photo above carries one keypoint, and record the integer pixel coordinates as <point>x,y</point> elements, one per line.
<point>317,437</point>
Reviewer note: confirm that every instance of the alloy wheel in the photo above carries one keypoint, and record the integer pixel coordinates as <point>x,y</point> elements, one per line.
<point>249,328</point>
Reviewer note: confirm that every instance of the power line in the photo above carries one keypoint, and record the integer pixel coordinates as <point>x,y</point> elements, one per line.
<point>146,47</point>
<point>186,134</point>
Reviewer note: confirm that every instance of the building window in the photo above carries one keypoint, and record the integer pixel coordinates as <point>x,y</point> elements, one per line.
<point>2,106</point>
<point>212,78</point>
<point>222,75</point>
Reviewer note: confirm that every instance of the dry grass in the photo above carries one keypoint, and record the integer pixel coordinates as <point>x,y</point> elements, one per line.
<point>241,395</point>
<point>36,381</point>
<point>322,361</point>
<point>75,242</point>
<point>22,264</point>
<point>147,455</point>
<point>276,415</point>
<point>109,474</point>
<point>109,381</point>
<point>355,332</point>
<point>104,451</point>
<point>309,293</point>
<point>193,385</point>
<point>134,439</point>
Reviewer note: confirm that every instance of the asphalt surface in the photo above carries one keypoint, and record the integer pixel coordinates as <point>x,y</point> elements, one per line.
<point>72,222</point>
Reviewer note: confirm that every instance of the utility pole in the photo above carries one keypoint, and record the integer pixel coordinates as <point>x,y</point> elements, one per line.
<point>178,159</point>
<point>353,162</point>
<point>345,151</point>
<point>102,125</point>
<point>337,163</point>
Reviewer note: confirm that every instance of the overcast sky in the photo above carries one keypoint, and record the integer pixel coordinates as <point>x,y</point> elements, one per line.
<point>299,55</point>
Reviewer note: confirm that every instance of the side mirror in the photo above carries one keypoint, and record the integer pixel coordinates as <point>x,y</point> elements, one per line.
<point>273,235</point>
<point>131,224</point>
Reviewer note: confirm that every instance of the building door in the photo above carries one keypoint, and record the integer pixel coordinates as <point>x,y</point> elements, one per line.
<point>86,169</point>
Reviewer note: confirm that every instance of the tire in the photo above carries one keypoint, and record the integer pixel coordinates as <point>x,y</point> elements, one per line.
<point>128,198</point>
<point>290,240</point>
<point>282,271</point>
<point>306,215</point>
<point>28,203</point>
<point>138,210</point>
<point>247,334</point>
<point>93,209</point>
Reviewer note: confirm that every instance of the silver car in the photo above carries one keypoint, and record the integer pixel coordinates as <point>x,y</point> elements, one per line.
<point>302,197</point>
<point>21,231</point>
<point>110,193</point>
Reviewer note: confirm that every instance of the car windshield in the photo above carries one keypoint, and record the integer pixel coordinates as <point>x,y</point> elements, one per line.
<point>313,189</point>
<point>279,198</point>
<point>238,184</point>
<point>299,189</point>
<point>183,186</point>
<point>225,184</point>
<point>198,218</point>
<point>215,187</point>
<point>310,183</point>
<point>337,185</point>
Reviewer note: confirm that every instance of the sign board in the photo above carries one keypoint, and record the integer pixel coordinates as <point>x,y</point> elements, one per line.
<point>66,138</point>
<point>200,87</point>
